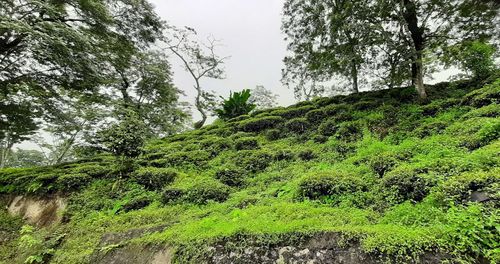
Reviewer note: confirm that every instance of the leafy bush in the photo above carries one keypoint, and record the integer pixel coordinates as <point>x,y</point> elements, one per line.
<point>459,189</point>
<point>407,184</point>
<point>136,203</point>
<point>125,138</point>
<point>332,110</point>
<point>73,181</point>
<point>328,128</point>
<point>236,105</point>
<point>306,155</point>
<point>297,125</point>
<point>365,105</point>
<point>259,124</point>
<point>325,184</point>
<point>273,134</point>
<point>284,154</point>
<point>432,128</point>
<point>230,176</point>
<point>171,195</point>
<point>253,161</point>
<point>208,191</point>
<point>489,94</point>
<point>246,144</point>
<point>154,178</point>
<point>293,112</point>
<point>197,158</point>
<point>382,163</point>
<point>349,131</point>
<point>315,116</point>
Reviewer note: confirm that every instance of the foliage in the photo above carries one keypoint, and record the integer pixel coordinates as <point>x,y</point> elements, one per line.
<point>124,138</point>
<point>154,178</point>
<point>263,98</point>
<point>476,57</point>
<point>236,105</point>
<point>417,191</point>
<point>259,124</point>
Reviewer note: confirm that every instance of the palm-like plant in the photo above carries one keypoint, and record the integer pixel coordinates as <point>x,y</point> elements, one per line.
<point>237,104</point>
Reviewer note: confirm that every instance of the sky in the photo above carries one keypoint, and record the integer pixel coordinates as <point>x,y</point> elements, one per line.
<point>250,33</point>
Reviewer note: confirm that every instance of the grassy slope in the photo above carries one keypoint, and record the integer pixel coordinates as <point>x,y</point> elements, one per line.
<point>377,167</point>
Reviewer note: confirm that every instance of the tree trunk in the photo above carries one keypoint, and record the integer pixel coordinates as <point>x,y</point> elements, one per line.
<point>5,153</point>
<point>199,107</point>
<point>417,35</point>
<point>354,76</point>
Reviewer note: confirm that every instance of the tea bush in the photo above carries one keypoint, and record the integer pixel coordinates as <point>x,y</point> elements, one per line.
<point>154,178</point>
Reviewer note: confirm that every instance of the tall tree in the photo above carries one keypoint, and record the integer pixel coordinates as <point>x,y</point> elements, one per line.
<point>408,32</point>
<point>326,38</point>
<point>263,98</point>
<point>47,47</point>
<point>200,61</point>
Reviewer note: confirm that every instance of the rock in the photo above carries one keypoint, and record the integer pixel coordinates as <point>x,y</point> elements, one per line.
<point>40,211</point>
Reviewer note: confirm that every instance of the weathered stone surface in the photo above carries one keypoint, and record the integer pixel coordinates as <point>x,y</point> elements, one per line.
<point>40,211</point>
<point>319,249</point>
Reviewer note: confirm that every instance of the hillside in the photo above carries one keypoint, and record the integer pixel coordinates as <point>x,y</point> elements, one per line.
<point>378,176</point>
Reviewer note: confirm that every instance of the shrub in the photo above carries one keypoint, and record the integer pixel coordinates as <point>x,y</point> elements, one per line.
<point>125,138</point>
<point>459,189</point>
<point>284,154</point>
<point>136,203</point>
<point>328,128</point>
<point>273,134</point>
<point>259,124</point>
<point>93,170</point>
<point>73,181</point>
<point>215,145</point>
<point>297,125</point>
<point>489,94</point>
<point>429,129</point>
<point>349,131</point>
<point>492,110</point>
<point>236,105</point>
<point>207,191</point>
<point>382,163</point>
<point>315,116</point>
<point>365,105</point>
<point>407,184</point>
<point>306,155</point>
<point>171,195</point>
<point>293,112</point>
<point>332,110</point>
<point>439,105</point>
<point>230,176</point>
<point>321,185</point>
<point>246,144</point>
<point>154,178</point>
<point>197,158</point>
<point>319,139</point>
<point>253,161</point>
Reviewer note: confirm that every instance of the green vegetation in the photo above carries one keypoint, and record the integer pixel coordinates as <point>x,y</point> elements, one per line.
<point>397,175</point>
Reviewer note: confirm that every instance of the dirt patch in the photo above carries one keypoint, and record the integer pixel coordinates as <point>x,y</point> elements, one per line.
<point>40,211</point>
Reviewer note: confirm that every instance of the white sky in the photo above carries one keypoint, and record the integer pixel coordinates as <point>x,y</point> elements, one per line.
<point>250,33</point>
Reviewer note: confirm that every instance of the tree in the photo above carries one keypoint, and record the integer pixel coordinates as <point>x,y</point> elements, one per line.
<point>474,57</point>
<point>237,104</point>
<point>200,61</point>
<point>326,38</point>
<point>124,138</point>
<point>48,47</point>
<point>146,88</point>
<point>26,158</point>
<point>408,32</point>
<point>263,98</point>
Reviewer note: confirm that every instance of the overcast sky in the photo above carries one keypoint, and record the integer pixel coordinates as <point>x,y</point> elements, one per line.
<point>250,33</point>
